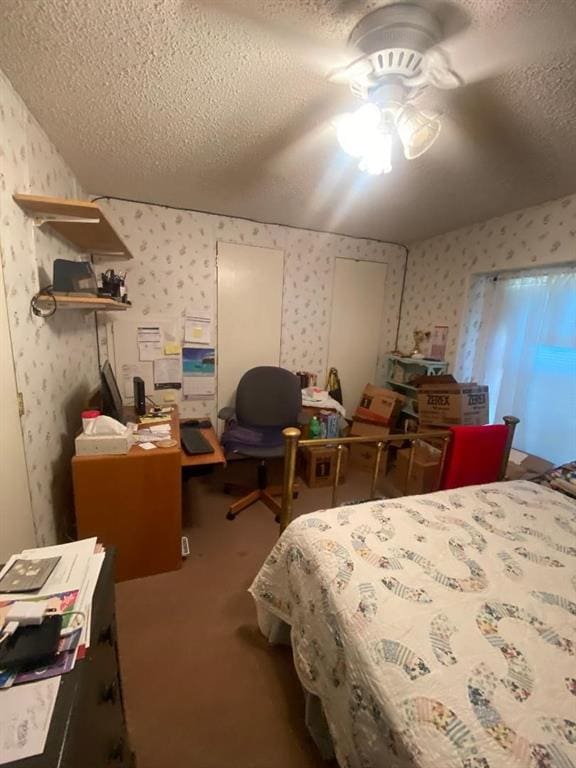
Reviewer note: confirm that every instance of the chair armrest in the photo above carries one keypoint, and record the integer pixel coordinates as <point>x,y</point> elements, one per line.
<point>227,413</point>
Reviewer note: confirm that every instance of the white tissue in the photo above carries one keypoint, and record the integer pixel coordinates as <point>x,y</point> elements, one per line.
<point>105,425</point>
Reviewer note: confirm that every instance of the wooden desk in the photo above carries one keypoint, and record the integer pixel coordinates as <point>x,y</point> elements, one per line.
<point>133,502</point>
<point>203,459</point>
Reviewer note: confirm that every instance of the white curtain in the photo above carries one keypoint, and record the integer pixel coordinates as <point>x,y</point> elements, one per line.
<point>526,352</point>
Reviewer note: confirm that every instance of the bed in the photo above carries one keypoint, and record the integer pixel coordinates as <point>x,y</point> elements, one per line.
<point>437,631</point>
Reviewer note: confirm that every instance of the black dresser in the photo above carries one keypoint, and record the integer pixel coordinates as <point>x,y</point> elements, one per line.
<point>88,728</point>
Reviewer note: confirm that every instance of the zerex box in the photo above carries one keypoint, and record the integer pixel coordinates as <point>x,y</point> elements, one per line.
<point>445,405</point>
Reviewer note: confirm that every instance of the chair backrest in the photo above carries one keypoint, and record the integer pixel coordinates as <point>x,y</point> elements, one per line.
<point>268,397</point>
<point>474,455</point>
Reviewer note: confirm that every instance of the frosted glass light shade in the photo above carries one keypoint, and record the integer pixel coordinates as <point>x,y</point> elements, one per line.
<point>357,130</point>
<point>378,157</point>
<point>417,131</point>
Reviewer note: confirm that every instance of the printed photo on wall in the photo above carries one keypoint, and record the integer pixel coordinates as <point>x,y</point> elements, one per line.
<point>199,372</point>
<point>438,342</point>
<point>198,361</point>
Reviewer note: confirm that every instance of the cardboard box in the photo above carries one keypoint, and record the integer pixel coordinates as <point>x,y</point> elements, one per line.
<point>363,456</point>
<point>425,467</point>
<point>318,466</point>
<point>446,404</point>
<point>379,406</point>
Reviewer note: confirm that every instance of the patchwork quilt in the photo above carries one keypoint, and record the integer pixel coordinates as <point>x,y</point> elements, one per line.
<point>439,631</point>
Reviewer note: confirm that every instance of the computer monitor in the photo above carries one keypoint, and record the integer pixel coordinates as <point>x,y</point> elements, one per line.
<point>111,398</point>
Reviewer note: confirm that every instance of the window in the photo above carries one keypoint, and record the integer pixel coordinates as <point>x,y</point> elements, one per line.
<point>525,350</point>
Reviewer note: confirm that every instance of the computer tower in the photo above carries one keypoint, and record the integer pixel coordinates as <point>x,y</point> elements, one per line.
<point>139,396</point>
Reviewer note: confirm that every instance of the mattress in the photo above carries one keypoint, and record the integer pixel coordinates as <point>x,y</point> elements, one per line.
<point>438,631</point>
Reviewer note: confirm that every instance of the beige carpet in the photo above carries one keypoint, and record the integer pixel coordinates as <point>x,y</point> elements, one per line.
<point>203,689</point>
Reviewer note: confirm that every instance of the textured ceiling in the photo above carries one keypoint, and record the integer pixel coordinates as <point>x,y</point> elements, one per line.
<point>224,107</point>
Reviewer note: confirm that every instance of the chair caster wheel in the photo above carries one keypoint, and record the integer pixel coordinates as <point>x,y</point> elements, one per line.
<point>277,518</point>
<point>230,516</point>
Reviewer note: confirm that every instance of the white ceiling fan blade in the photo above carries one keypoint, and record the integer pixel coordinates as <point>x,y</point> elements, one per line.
<point>323,55</point>
<point>531,38</point>
<point>358,69</point>
<point>437,70</point>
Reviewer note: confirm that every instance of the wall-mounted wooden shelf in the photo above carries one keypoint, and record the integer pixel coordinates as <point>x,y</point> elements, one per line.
<point>91,233</point>
<point>65,301</point>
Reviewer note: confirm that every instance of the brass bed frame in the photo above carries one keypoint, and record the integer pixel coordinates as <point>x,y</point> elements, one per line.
<point>383,442</point>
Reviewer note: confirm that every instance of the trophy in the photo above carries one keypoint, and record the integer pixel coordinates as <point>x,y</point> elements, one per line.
<point>419,338</point>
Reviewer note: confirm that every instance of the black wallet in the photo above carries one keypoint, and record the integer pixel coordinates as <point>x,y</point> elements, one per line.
<point>31,646</point>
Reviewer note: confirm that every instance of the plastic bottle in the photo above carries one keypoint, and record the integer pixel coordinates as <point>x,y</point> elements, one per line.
<point>314,428</point>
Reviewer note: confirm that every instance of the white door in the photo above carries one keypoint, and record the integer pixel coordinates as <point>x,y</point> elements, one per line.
<point>249,312</point>
<point>356,325</point>
<point>16,526</point>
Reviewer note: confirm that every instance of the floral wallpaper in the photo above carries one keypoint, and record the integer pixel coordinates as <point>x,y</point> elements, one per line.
<point>55,359</point>
<point>441,288</point>
<point>174,271</point>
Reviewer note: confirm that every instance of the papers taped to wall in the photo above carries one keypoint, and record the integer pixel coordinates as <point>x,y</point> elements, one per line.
<point>198,329</point>
<point>149,338</point>
<point>167,373</point>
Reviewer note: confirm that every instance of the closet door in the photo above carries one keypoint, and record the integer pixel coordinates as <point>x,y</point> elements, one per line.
<point>356,325</point>
<point>249,312</point>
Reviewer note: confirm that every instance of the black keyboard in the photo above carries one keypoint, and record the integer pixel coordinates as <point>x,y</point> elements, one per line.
<point>194,442</point>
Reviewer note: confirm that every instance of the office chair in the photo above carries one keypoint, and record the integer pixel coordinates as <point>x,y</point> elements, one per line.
<point>475,455</point>
<point>268,399</point>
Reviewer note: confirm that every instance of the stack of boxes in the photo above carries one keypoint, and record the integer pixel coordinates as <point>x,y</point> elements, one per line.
<point>376,415</point>
<point>442,402</point>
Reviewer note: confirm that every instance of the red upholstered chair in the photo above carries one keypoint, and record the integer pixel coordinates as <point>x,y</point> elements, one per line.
<point>475,455</point>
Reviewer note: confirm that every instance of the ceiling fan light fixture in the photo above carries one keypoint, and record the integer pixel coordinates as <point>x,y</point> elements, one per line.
<point>417,131</point>
<point>358,130</point>
<point>378,157</point>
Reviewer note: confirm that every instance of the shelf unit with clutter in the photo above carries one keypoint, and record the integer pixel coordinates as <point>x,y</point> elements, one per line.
<point>84,226</point>
<point>401,372</point>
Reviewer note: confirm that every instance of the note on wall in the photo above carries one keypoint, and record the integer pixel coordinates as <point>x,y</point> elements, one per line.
<point>198,329</point>
<point>149,338</point>
<point>149,333</point>
<point>167,373</point>
<point>148,351</point>
<point>172,348</point>
<point>202,386</point>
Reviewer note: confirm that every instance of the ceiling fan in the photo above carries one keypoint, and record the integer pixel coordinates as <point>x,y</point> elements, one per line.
<point>399,59</point>
<point>404,53</point>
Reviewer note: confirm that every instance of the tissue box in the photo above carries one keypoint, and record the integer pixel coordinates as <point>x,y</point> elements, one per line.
<point>94,445</point>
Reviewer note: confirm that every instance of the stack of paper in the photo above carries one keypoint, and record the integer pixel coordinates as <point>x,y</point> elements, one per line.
<point>69,590</point>
<point>154,433</point>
